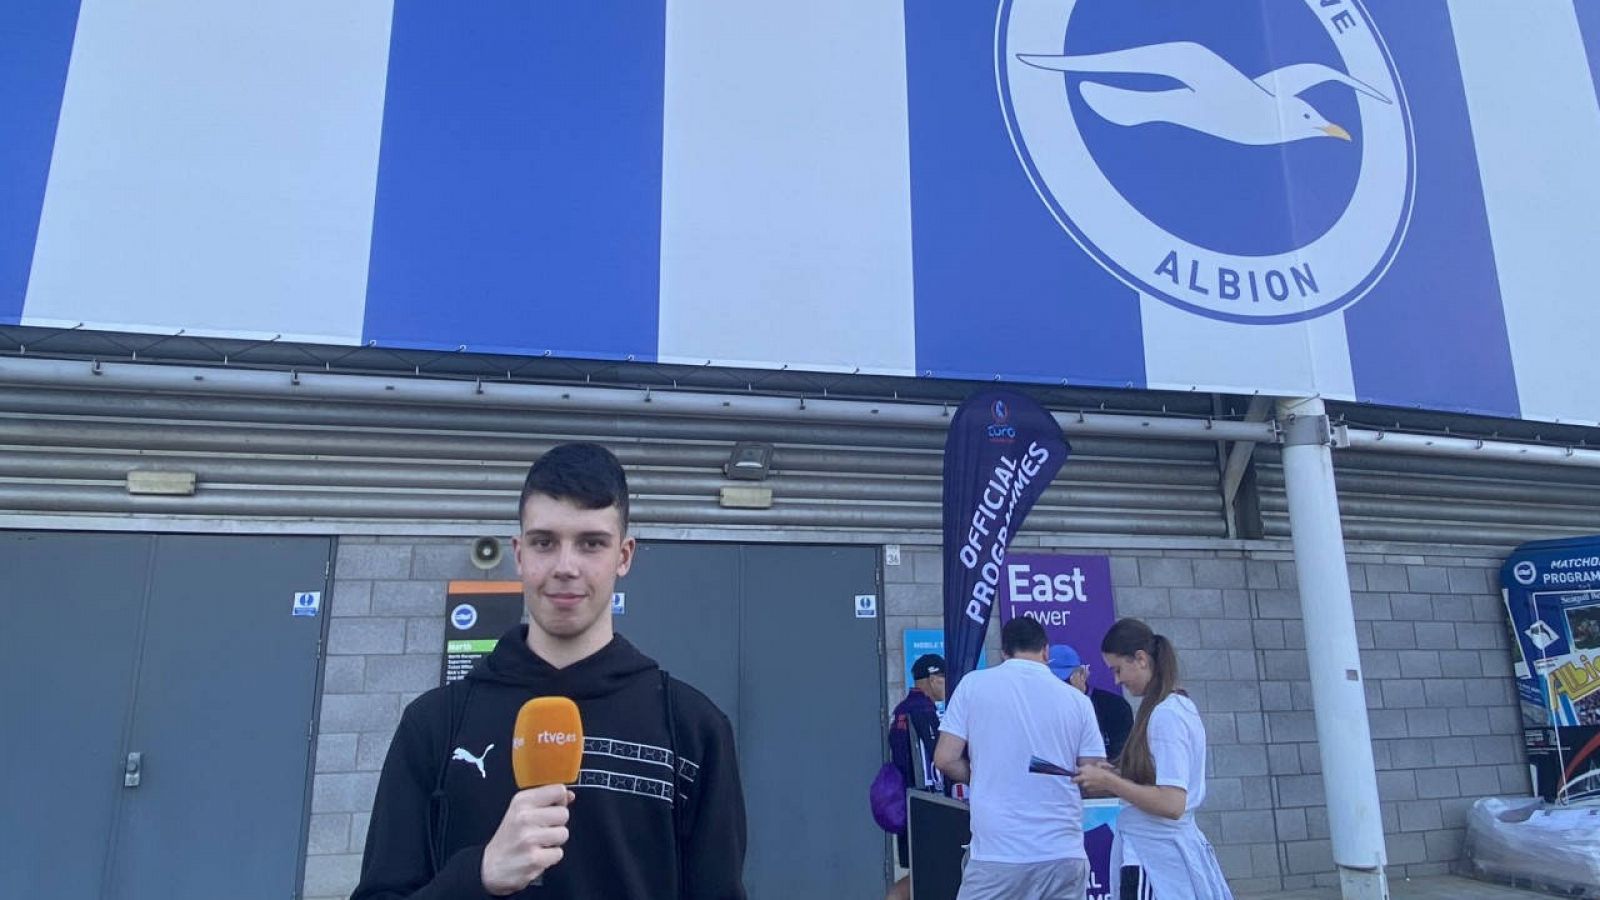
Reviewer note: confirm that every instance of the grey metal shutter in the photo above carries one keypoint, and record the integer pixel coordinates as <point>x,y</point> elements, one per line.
<point>1424,499</point>
<point>69,452</point>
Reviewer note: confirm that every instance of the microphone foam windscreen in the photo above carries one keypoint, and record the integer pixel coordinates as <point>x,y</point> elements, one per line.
<point>547,745</point>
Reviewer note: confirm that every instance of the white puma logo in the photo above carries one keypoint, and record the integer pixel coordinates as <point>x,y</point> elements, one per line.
<point>466,756</point>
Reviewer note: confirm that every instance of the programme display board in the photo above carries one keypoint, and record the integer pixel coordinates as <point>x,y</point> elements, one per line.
<point>1552,594</point>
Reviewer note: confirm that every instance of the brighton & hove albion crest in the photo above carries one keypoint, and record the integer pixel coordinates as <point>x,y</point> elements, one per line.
<point>1251,162</point>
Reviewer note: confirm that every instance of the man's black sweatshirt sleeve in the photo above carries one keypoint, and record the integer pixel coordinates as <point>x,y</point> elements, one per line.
<point>396,863</point>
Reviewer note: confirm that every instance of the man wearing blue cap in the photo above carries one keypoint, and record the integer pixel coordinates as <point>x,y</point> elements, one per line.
<point>1111,711</point>
<point>913,732</point>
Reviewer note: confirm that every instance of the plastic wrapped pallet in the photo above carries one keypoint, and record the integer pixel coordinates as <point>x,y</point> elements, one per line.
<point>1529,843</point>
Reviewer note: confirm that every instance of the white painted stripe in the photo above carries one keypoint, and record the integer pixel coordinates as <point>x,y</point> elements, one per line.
<point>1536,126</point>
<point>1184,351</point>
<point>215,168</point>
<point>786,210</point>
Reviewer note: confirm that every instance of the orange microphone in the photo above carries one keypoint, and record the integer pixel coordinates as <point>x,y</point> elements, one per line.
<point>547,745</point>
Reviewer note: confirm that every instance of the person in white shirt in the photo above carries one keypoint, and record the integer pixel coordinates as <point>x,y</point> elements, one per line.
<point>1162,779</point>
<point>1027,826</point>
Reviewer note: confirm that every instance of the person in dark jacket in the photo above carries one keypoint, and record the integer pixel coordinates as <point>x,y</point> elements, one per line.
<point>1111,711</point>
<point>913,732</point>
<point>657,811</point>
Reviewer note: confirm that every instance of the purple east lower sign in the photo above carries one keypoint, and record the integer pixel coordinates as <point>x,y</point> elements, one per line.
<point>1070,596</point>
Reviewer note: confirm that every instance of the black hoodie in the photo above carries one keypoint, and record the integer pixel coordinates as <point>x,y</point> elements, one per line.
<point>621,842</point>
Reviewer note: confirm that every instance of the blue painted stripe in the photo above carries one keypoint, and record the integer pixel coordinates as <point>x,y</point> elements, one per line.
<point>519,180</point>
<point>1000,287</point>
<point>35,49</point>
<point>1445,271</point>
<point>1589,26</point>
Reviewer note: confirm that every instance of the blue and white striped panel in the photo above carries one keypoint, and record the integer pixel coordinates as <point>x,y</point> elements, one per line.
<point>519,189</point>
<point>835,189</point>
<point>1531,92</point>
<point>213,169</point>
<point>35,46</point>
<point>1000,288</point>
<point>786,213</point>
<point>1431,334</point>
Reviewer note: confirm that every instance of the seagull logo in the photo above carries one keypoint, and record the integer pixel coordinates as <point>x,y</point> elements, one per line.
<point>464,755</point>
<point>1215,98</point>
<point>1200,176</point>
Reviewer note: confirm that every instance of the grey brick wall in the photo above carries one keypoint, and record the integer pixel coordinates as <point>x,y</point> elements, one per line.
<point>1440,696</point>
<point>1434,652</point>
<point>1441,703</point>
<point>384,645</point>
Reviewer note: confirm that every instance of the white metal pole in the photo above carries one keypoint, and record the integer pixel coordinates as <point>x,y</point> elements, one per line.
<point>1349,779</point>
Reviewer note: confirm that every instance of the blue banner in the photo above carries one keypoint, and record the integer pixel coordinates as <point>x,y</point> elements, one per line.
<point>918,642</point>
<point>1373,201</point>
<point>1552,594</point>
<point>1002,451</point>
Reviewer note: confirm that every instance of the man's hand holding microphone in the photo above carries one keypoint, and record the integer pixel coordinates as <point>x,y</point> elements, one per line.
<point>546,754</point>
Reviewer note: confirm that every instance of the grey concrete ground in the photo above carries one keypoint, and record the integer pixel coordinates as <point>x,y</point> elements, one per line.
<point>1446,887</point>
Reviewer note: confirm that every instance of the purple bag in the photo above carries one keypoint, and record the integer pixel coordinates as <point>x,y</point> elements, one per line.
<point>888,796</point>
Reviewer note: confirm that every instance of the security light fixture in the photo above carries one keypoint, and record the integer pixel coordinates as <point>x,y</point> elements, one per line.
<point>749,461</point>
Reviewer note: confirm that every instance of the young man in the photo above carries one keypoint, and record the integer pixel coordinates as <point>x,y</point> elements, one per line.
<point>1111,711</point>
<point>913,731</point>
<point>1027,827</point>
<point>657,810</point>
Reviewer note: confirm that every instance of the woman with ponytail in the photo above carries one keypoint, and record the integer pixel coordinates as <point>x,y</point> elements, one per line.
<point>1159,852</point>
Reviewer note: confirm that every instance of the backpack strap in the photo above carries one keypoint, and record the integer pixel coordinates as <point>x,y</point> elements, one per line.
<point>439,801</point>
<point>679,837</point>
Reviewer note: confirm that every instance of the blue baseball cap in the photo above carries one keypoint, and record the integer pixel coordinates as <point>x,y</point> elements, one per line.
<point>1064,661</point>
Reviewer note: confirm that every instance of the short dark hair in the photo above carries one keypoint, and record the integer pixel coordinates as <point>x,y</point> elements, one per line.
<point>585,475</point>
<point>1023,635</point>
